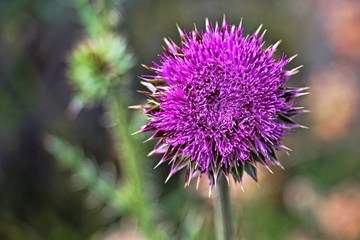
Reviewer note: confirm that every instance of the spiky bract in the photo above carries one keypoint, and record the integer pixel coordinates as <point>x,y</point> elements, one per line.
<point>97,65</point>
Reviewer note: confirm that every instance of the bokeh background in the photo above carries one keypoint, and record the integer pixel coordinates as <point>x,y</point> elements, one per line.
<point>44,197</point>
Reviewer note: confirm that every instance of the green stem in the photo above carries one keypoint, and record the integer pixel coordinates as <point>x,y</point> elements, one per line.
<point>134,171</point>
<point>88,17</point>
<point>223,218</point>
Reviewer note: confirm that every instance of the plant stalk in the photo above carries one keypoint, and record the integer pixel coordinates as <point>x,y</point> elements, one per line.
<point>223,217</point>
<point>133,169</point>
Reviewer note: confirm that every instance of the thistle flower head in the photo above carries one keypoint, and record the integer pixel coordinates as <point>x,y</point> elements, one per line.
<point>96,65</point>
<point>218,103</point>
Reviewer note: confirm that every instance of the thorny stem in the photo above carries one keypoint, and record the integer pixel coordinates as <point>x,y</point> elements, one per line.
<point>223,218</point>
<point>139,204</point>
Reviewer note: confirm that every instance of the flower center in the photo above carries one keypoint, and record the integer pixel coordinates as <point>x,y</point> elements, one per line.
<point>212,107</point>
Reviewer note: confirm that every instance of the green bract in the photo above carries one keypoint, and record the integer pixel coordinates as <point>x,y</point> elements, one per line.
<point>97,65</point>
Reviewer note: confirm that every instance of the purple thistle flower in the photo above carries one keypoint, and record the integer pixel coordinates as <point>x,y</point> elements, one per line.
<point>218,103</point>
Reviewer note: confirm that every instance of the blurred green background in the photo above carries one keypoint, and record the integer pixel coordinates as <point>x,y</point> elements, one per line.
<point>76,191</point>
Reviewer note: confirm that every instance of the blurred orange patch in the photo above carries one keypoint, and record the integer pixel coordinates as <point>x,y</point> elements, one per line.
<point>333,101</point>
<point>342,25</point>
<point>339,215</point>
